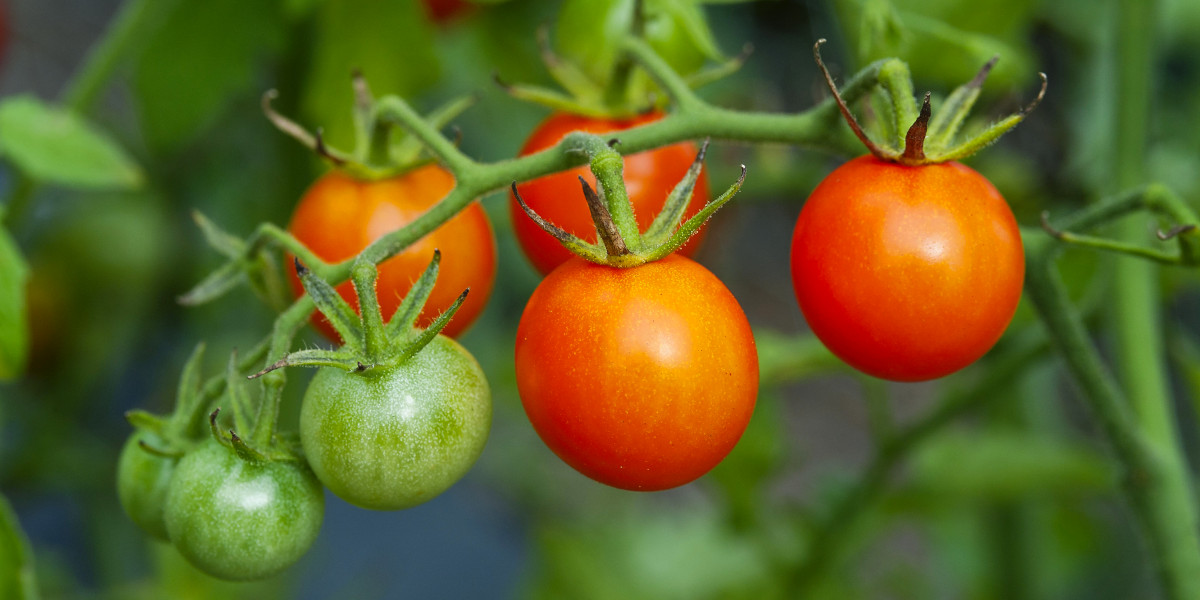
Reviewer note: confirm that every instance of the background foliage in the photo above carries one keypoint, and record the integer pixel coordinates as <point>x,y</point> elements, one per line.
<point>1016,500</point>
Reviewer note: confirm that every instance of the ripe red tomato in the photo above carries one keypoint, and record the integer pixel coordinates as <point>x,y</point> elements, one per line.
<point>339,216</point>
<point>649,178</point>
<point>907,273</point>
<point>640,378</point>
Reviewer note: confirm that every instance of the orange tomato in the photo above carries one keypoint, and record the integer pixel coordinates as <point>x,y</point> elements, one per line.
<point>339,216</point>
<point>641,378</point>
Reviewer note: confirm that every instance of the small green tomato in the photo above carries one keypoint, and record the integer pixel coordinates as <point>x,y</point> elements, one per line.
<point>242,520</point>
<point>393,437</point>
<point>142,480</point>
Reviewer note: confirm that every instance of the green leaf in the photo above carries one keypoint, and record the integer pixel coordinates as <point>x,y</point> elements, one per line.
<point>389,42</point>
<point>16,561</point>
<point>14,334</point>
<point>204,54</point>
<point>57,146</point>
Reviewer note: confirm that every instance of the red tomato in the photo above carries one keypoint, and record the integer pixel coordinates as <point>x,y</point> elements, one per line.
<point>640,378</point>
<point>339,216</point>
<point>649,178</point>
<point>907,273</point>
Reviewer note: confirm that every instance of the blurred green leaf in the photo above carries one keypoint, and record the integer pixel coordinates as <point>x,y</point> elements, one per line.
<point>684,553</point>
<point>203,55</point>
<point>391,43</point>
<point>14,334</point>
<point>57,146</point>
<point>16,563</point>
<point>1007,466</point>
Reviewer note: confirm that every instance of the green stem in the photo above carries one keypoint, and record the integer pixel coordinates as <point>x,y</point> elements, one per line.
<point>1141,363</point>
<point>834,531</point>
<point>1156,489</point>
<point>287,325</point>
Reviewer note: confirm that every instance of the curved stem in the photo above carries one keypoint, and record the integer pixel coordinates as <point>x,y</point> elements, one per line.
<point>105,56</point>
<point>1157,490</point>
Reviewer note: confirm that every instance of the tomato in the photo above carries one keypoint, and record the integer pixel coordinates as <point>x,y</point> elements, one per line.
<point>393,437</point>
<point>907,273</point>
<point>241,520</point>
<point>340,215</point>
<point>641,378</point>
<point>142,480</point>
<point>649,178</point>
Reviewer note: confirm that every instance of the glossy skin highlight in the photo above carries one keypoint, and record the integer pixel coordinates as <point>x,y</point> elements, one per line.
<point>649,178</point>
<point>240,520</point>
<point>907,273</point>
<point>394,437</point>
<point>640,378</point>
<point>339,216</point>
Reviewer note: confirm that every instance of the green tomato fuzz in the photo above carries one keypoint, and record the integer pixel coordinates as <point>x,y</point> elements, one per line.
<point>393,437</point>
<point>241,520</point>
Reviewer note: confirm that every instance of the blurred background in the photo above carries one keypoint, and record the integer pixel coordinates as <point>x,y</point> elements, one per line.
<point>1014,500</point>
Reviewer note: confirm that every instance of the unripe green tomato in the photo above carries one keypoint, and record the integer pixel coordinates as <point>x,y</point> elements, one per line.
<point>589,33</point>
<point>394,437</point>
<point>241,520</point>
<point>142,480</point>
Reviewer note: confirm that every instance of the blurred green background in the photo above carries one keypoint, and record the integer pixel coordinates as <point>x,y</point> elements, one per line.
<point>1016,500</point>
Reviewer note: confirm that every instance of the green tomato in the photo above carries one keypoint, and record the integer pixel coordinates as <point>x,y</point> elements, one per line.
<point>241,520</point>
<point>589,33</point>
<point>394,437</point>
<point>142,480</point>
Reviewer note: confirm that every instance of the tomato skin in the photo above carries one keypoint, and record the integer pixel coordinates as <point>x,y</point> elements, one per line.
<point>142,481</point>
<point>394,437</point>
<point>240,520</point>
<point>339,216</point>
<point>640,378</point>
<point>907,273</point>
<point>649,178</point>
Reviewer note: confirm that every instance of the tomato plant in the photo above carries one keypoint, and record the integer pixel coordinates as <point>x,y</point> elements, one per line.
<point>907,273</point>
<point>649,178</point>
<point>142,480</point>
<point>640,378</point>
<point>393,437</point>
<point>238,519</point>
<point>340,215</point>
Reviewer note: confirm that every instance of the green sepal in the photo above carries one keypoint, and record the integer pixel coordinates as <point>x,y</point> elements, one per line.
<point>954,110</point>
<point>554,100</point>
<point>593,252</point>
<point>364,276</point>
<point>242,403</point>
<point>229,245</point>
<point>336,310</point>
<point>405,317</point>
<point>979,141</point>
<point>187,394</point>
<point>720,70</point>
<point>243,450</point>
<point>215,285</point>
<point>567,74</point>
<point>406,150</point>
<point>426,335</point>
<point>689,228</point>
<point>343,358</point>
<point>676,205</point>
